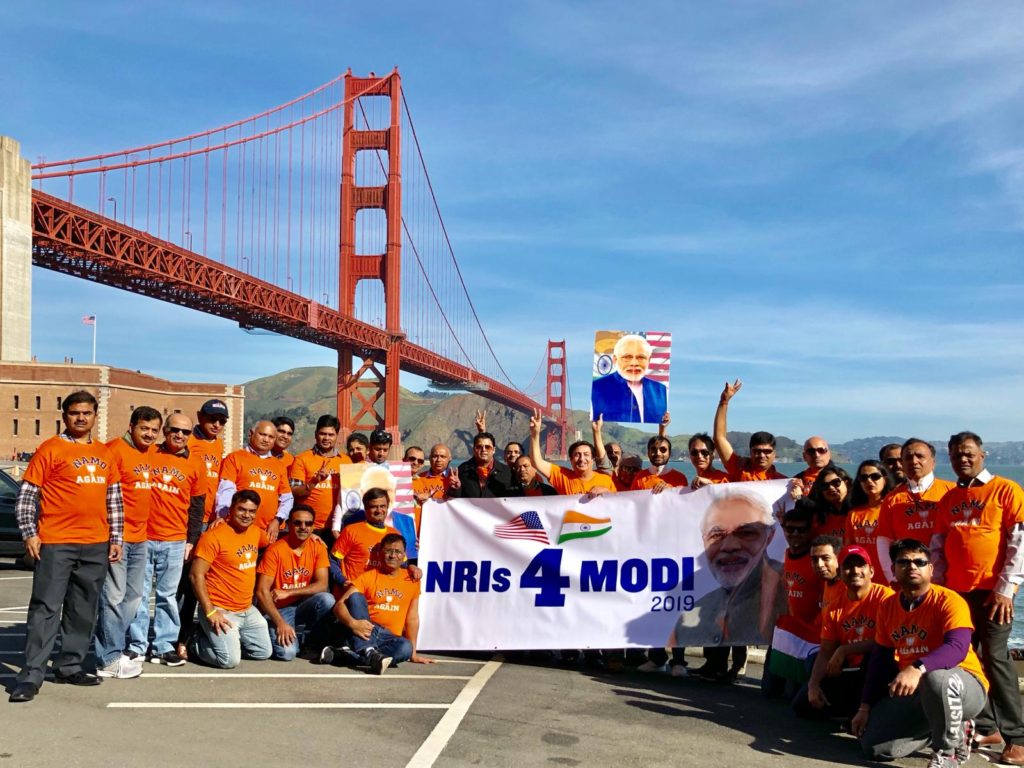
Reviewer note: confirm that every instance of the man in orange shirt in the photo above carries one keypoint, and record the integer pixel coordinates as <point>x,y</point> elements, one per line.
<point>924,681</point>
<point>379,613</point>
<point>626,470</point>
<point>847,636</point>
<point>255,468</point>
<point>224,577</point>
<point>283,441</point>
<point>978,549</point>
<point>358,545</point>
<point>818,455</point>
<point>291,585</point>
<point>909,510</point>
<point>207,447</point>
<point>126,579</point>
<point>659,476</point>
<point>314,474</point>
<point>581,479</point>
<point>761,464</point>
<point>175,521</point>
<point>71,516</point>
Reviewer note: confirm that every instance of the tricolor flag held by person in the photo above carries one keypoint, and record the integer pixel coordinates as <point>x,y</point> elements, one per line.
<point>790,650</point>
<point>88,319</point>
<point>524,526</point>
<point>579,526</point>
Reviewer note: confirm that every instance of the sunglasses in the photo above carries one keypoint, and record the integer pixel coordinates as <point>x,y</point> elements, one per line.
<point>796,528</point>
<point>700,452</point>
<point>917,562</point>
<point>873,477</point>
<point>818,450</point>
<point>835,482</point>
<point>178,430</point>
<point>417,461</point>
<point>218,419</point>
<point>302,523</point>
<point>762,451</point>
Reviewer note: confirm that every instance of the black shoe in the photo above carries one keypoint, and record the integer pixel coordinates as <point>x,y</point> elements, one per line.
<point>80,677</point>
<point>23,692</point>
<point>169,659</point>
<point>378,662</point>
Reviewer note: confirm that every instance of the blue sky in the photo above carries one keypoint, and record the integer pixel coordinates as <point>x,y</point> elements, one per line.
<point>825,200</point>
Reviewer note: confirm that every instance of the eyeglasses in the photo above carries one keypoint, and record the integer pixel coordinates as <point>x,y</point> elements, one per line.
<point>416,461</point>
<point>218,419</point>
<point>796,528</point>
<point>700,452</point>
<point>873,477</point>
<point>302,523</point>
<point>835,482</point>
<point>820,450</point>
<point>762,451</point>
<point>178,430</point>
<point>395,552</point>
<point>917,562</point>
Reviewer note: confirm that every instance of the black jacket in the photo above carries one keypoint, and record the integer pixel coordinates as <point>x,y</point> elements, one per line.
<point>499,482</point>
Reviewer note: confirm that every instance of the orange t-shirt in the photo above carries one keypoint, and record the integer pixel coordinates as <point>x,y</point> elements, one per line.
<point>358,548</point>
<point>716,476</point>
<point>917,633</point>
<point>434,485</point>
<point>265,476</point>
<point>620,486</point>
<point>291,571</point>
<point>907,515</point>
<point>176,479</point>
<point>833,525</point>
<point>232,556</point>
<point>73,500</point>
<point>803,594</point>
<point>323,497</point>
<point>209,453</point>
<point>388,596</point>
<point>862,530</point>
<point>845,621</point>
<point>976,521</point>
<point>646,479</point>
<point>286,458</point>
<point>131,468</point>
<point>569,483</point>
<point>739,470</point>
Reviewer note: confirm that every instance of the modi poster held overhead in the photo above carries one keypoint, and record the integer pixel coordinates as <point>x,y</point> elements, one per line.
<point>631,376</point>
<point>636,569</point>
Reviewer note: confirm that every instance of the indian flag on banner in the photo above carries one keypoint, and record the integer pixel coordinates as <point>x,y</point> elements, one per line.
<point>790,651</point>
<point>579,526</point>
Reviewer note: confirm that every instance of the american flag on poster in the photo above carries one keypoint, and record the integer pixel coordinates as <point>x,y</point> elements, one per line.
<point>524,526</point>
<point>404,501</point>
<point>661,353</point>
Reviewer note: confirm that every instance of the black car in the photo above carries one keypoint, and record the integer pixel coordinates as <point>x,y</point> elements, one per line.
<point>11,544</point>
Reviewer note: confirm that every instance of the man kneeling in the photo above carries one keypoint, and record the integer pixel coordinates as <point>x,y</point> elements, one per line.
<point>224,577</point>
<point>378,613</point>
<point>930,696</point>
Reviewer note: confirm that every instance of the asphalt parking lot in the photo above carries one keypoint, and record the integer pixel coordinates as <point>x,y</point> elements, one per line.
<point>458,712</point>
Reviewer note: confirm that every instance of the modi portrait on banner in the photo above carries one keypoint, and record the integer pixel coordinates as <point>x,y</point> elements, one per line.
<point>630,376</point>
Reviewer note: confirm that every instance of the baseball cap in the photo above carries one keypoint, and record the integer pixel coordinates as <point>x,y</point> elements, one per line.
<point>852,549</point>
<point>380,436</point>
<point>215,408</point>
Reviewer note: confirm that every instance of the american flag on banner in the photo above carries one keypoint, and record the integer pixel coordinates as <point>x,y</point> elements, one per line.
<point>524,526</point>
<point>88,319</point>
<point>404,501</point>
<point>661,344</point>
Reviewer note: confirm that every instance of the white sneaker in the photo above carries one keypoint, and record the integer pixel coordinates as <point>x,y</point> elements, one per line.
<point>650,666</point>
<point>122,668</point>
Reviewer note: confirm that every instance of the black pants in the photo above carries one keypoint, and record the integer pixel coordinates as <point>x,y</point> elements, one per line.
<point>1002,712</point>
<point>66,589</point>
<point>843,694</point>
<point>660,656</point>
<point>187,603</point>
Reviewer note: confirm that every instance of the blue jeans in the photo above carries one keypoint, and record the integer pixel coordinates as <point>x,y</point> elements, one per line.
<point>163,569</point>
<point>309,612</point>
<point>382,640</point>
<point>248,634</point>
<point>119,602</point>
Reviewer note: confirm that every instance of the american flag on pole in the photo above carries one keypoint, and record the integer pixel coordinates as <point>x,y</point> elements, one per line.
<point>524,526</point>
<point>88,319</point>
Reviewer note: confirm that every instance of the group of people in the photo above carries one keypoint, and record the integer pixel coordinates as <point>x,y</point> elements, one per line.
<point>900,582</point>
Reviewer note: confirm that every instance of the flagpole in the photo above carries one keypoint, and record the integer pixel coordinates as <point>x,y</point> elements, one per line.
<point>95,322</point>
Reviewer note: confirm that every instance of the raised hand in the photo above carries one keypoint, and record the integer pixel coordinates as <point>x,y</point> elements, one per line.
<point>731,389</point>
<point>536,422</point>
<point>481,421</point>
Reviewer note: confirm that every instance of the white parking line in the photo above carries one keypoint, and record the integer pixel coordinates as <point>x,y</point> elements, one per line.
<point>266,706</point>
<point>14,608</point>
<point>229,675</point>
<point>435,743</point>
<point>14,578</point>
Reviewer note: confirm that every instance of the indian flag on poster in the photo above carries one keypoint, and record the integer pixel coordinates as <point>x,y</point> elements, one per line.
<point>579,526</point>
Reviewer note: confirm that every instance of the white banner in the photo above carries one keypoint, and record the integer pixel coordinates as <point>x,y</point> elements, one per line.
<point>687,568</point>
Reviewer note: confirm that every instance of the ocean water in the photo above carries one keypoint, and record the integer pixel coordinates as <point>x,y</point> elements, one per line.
<point>1014,473</point>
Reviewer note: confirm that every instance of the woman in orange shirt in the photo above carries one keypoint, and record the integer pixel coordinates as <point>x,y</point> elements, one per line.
<point>831,493</point>
<point>871,484</point>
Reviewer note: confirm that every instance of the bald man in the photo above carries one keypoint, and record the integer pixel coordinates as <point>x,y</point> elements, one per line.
<point>818,455</point>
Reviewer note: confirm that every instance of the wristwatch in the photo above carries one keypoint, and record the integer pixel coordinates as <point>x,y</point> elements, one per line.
<point>919,666</point>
